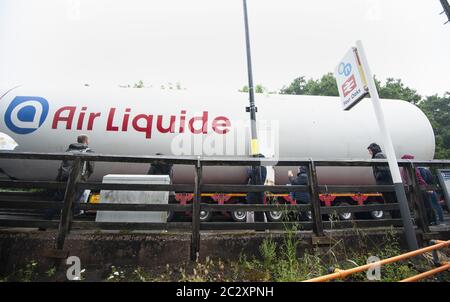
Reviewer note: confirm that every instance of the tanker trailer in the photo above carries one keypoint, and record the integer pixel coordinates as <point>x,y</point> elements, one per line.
<point>125,121</point>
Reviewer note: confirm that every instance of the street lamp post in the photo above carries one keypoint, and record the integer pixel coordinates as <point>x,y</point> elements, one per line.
<point>252,109</point>
<point>254,146</point>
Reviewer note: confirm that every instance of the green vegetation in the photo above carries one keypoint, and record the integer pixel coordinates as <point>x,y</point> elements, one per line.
<point>258,89</point>
<point>436,108</point>
<point>286,265</point>
<point>116,275</point>
<point>51,272</point>
<point>279,259</point>
<point>326,86</point>
<point>27,274</point>
<point>141,84</point>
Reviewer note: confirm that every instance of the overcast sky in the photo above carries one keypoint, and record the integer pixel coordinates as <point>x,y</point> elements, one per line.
<point>200,43</point>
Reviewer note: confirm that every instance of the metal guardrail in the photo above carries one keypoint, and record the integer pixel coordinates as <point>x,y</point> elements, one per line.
<point>342,274</point>
<point>9,200</point>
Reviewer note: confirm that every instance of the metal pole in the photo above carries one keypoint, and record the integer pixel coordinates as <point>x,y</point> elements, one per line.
<point>446,8</point>
<point>254,146</point>
<point>390,152</point>
<point>254,139</point>
<point>195,240</point>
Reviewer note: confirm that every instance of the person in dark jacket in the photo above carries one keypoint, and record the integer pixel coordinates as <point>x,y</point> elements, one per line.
<point>383,176</point>
<point>425,197</point>
<point>429,180</point>
<point>161,168</point>
<point>256,175</point>
<point>87,168</point>
<point>300,180</point>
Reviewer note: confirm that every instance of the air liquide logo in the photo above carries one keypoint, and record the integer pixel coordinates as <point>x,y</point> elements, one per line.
<point>26,114</point>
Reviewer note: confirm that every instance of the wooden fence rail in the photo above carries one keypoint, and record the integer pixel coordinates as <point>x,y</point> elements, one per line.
<point>38,200</point>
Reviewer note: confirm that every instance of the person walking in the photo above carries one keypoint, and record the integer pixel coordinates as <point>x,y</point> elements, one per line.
<point>383,176</point>
<point>426,198</point>
<point>161,168</point>
<point>301,179</point>
<point>429,180</point>
<point>87,168</point>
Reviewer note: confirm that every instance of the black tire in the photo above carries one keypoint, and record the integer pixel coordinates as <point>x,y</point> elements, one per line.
<point>308,216</point>
<point>205,216</point>
<point>345,216</point>
<point>239,216</point>
<point>170,215</point>
<point>305,216</point>
<point>275,216</point>
<point>377,215</point>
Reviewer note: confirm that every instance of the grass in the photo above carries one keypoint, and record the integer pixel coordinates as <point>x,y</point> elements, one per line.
<point>283,263</point>
<point>278,259</point>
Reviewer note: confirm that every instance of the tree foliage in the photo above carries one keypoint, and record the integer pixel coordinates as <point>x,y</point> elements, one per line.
<point>258,89</point>
<point>395,89</point>
<point>326,85</point>
<point>436,108</point>
<point>139,84</point>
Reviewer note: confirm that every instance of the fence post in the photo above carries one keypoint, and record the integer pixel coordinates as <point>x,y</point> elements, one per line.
<point>418,200</point>
<point>315,199</point>
<point>195,240</point>
<point>69,196</point>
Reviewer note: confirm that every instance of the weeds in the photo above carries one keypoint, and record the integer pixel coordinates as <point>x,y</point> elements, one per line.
<point>116,275</point>
<point>281,259</point>
<point>141,275</point>
<point>268,252</point>
<point>51,272</point>
<point>209,271</point>
<point>29,273</point>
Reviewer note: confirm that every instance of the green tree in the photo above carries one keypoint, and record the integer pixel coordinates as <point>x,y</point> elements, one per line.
<point>139,84</point>
<point>258,89</point>
<point>395,89</point>
<point>326,85</point>
<point>437,109</point>
<point>296,87</point>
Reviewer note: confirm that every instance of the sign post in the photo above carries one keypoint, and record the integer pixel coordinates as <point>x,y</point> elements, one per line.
<point>354,82</point>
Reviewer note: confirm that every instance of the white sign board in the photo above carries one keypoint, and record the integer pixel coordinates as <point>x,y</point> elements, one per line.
<point>350,79</point>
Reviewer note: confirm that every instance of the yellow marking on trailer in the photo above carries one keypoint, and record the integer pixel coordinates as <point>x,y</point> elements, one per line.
<point>95,198</point>
<point>255,147</point>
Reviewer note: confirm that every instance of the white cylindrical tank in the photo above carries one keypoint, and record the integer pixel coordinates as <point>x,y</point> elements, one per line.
<point>147,121</point>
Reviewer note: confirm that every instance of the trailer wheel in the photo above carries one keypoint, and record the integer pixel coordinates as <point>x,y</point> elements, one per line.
<point>239,216</point>
<point>309,216</point>
<point>346,215</point>
<point>377,214</point>
<point>170,215</point>
<point>305,216</point>
<point>275,216</point>
<point>205,216</point>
